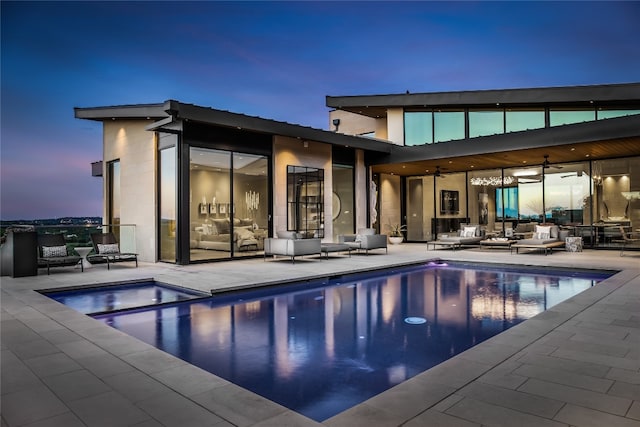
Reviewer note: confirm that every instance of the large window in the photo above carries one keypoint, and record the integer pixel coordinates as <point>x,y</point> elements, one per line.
<point>612,113</point>
<point>485,122</point>
<point>168,198</point>
<point>448,125</point>
<point>558,117</point>
<point>418,127</point>
<point>519,120</point>
<point>507,203</point>
<point>113,171</point>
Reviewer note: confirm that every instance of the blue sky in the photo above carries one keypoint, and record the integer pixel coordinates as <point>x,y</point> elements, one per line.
<point>271,59</point>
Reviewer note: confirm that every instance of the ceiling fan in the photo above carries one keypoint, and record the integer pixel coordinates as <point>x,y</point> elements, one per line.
<point>546,164</point>
<point>438,174</point>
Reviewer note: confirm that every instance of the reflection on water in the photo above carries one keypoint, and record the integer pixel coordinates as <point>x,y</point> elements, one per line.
<point>323,350</point>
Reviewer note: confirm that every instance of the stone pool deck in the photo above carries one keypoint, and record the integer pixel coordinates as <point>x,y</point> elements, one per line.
<point>576,364</point>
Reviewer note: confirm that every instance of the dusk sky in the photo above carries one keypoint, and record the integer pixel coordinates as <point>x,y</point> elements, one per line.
<point>276,60</point>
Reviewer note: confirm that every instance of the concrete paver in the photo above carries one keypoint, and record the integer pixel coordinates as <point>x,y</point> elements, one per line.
<point>576,364</point>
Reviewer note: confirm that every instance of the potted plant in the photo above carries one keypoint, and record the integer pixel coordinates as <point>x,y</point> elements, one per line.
<point>395,234</point>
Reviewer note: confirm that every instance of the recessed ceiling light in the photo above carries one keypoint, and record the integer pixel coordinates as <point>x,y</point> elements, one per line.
<point>573,149</point>
<point>587,155</point>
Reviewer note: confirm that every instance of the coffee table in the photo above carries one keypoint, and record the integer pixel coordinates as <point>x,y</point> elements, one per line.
<point>325,248</point>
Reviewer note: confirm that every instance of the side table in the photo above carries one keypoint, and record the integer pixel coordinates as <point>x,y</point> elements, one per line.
<point>83,251</point>
<point>573,244</point>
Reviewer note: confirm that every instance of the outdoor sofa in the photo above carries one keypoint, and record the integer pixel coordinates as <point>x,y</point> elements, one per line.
<point>366,239</point>
<point>289,243</point>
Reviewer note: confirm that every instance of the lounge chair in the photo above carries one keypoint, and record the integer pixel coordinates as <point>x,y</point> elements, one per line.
<point>52,252</point>
<point>468,235</point>
<point>546,238</point>
<point>628,238</point>
<point>107,250</point>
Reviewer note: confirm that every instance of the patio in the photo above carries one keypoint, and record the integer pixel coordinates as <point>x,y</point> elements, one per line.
<point>575,364</point>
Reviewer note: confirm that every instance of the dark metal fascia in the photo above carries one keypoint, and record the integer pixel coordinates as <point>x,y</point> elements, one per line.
<point>532,96</point>
<point>258,124</point>
<point>139,111</point>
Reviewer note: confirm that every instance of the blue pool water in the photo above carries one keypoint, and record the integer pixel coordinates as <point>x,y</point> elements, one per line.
<point>321,348</point>
<point>121,297</point>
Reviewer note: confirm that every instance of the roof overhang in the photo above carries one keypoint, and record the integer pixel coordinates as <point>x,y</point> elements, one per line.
<point>188,112</point>
<point>170,115</point>
<point>376,105</point>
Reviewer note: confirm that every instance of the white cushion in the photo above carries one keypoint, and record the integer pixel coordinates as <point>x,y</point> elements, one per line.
<point>469,232</point>
<point>542,229</point>
<point>367,231</point>
<point>108,248</point>
<point>54,251</point>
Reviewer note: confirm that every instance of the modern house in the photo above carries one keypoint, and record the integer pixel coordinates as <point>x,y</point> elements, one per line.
<point>199,184</point>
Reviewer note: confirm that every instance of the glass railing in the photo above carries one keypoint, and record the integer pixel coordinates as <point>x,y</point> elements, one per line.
<point>79,235</point>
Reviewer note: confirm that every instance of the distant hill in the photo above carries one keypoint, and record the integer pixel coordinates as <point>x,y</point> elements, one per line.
<point>83,220</point>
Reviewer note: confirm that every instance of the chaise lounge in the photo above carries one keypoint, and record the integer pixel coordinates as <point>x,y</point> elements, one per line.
<point>52,252</point>
<point>107,250</point>
<point>544,238</point>
<point>467,235</point>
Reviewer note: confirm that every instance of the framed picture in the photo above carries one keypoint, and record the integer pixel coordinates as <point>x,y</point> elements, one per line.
<point>223,208</point>
<point>449,203</point>
<point>203,208</point>
<point>213,209</point>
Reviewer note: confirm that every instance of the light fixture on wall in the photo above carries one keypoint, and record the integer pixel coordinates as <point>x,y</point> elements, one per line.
<point>493,181</point>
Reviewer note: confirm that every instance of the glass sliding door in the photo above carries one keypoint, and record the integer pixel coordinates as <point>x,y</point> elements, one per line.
<point>616,200</point>
<point>250,210</point>
<point>530,199</point>
<point>229,204</point>
<point>210,204</point>
<point>168,198</point>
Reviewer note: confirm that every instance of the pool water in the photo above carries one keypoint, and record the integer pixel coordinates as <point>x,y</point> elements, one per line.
<point>319,350</point>
<point>101,299</point>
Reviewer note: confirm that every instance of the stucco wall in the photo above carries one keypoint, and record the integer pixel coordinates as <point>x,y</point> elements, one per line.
<point>395,125</point>
<point>136,149</point>
<point>389,202</point>
<point>292,151</point>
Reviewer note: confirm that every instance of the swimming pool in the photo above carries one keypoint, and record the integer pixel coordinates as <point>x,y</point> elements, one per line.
<point>321,348</point>
<point>121,296</point>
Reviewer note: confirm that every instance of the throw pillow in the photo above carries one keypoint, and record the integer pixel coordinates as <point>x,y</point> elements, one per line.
<point>108,248</point>
<point>54,251</point>
<point>469,232</point>
<point>542,229</point>
<point>243,233</point>
<point>359,238</point>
